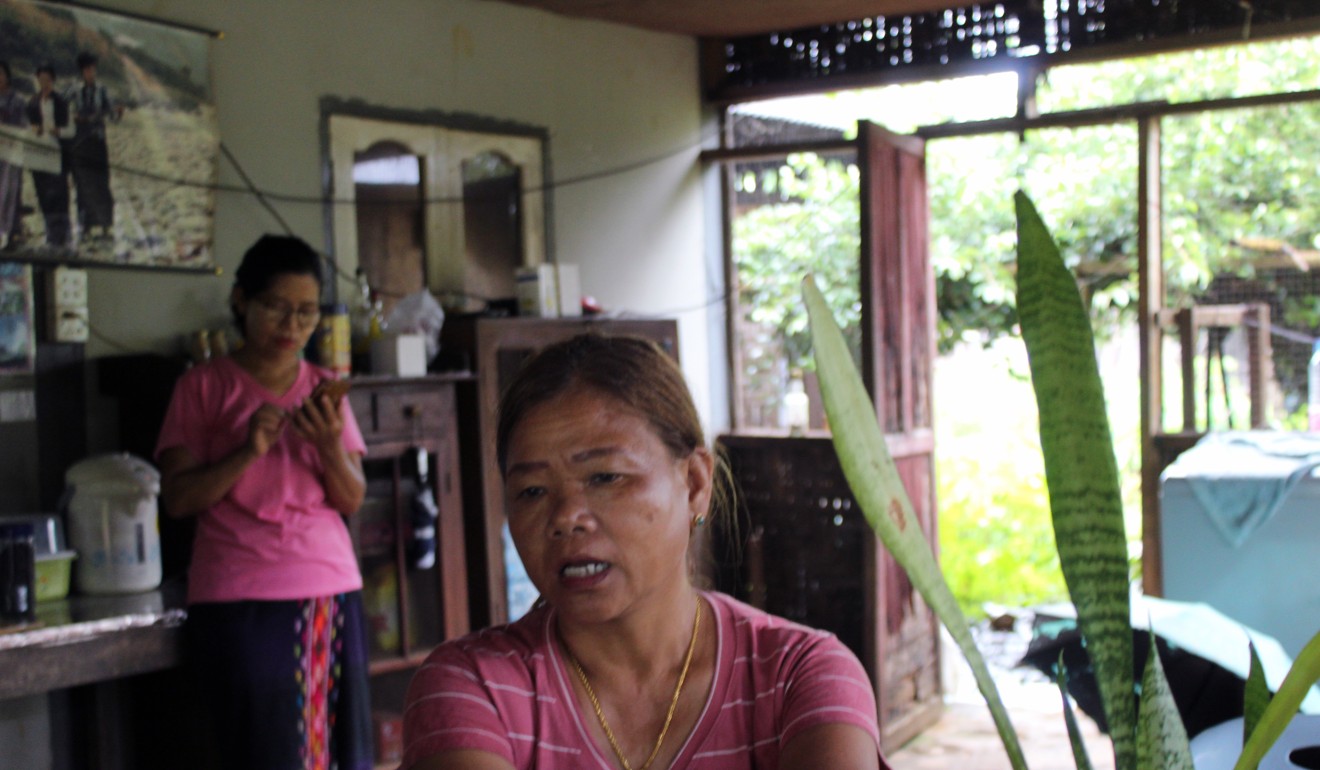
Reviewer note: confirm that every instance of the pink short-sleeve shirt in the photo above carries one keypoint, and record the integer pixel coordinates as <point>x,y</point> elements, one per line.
<point>506,690</point>
<point>273,536</point>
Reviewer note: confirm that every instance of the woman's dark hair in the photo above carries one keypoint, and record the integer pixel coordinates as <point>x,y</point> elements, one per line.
<point>47,68</point>
<point>634,371</point>
<point>631,370</point>
<point>86,59</point>
<point>271,256</point>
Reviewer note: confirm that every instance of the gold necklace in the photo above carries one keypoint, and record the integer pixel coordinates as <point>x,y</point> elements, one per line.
<point>673,704</point>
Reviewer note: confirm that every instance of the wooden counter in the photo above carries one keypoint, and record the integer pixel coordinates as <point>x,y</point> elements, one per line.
<point>88,639</point>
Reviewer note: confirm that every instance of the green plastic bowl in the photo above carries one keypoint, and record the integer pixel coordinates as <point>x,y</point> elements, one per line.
<point>53,575</point>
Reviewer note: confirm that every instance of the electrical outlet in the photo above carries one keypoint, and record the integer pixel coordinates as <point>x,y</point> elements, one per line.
<point>68,287</point>
<point>71,325</point>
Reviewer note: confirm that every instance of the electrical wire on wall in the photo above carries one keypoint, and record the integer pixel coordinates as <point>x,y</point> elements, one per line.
<point>268,199</point>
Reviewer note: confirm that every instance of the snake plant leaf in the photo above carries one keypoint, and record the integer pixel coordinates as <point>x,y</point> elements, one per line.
<point>1161,738</point>
<point>1080,471</point>
<point>875,483</point>
<point>1283,706</point>
<point>1080,757</point>
<point>1256,696</point>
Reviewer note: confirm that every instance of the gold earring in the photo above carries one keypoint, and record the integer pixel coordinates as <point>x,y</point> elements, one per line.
<point>699,521</point>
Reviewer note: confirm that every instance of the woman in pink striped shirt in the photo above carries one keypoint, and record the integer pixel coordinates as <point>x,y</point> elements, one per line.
<point>624,663</point>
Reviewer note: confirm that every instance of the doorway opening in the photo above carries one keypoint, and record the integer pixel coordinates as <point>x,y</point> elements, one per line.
<point>492,221</point>
<point>391,222</point>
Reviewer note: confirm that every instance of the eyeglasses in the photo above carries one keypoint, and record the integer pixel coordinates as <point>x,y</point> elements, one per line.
<point>278,312</point>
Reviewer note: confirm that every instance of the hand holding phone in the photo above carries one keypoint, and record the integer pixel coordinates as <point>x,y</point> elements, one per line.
<point>335,389</point>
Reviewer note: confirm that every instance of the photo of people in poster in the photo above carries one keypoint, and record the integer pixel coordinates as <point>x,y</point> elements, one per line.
<point>108,137</point>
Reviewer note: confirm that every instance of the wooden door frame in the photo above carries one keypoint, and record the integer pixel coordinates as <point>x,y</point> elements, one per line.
<point>895,301</point>
<point>889,371</point>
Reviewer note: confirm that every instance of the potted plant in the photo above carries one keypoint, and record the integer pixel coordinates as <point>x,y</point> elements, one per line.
<point>1086,509</point>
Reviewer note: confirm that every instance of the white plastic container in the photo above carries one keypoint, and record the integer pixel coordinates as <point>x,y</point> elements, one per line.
<point>112,519</point>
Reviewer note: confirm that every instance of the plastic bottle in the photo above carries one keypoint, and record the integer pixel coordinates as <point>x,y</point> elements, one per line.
<point>797,406</point>
<point>1313,389</point>
<point>360,324</point>
<point>375,320</point>
<point>330,344</point>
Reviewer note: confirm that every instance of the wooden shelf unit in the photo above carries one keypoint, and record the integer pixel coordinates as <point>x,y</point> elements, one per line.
<point>397,416</point>
<point>802,549</point>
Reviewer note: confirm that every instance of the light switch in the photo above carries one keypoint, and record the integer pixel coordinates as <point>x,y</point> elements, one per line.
<point>69,287</point>
<point>68,305</point>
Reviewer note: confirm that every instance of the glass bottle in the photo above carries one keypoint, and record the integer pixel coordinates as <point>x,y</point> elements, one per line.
<point>797,405</point>
<point>360,326</point>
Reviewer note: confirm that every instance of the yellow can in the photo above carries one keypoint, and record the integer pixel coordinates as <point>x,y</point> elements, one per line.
<point>333,340</point>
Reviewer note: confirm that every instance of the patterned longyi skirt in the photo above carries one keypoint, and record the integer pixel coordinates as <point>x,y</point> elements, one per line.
<point>285,682</point>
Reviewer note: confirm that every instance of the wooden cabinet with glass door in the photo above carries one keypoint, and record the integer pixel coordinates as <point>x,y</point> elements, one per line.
<point>414,581</point>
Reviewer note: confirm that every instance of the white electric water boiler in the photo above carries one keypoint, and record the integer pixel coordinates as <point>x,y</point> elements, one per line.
<point>112,523</point>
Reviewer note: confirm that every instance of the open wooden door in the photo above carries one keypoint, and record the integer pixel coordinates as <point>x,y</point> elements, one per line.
<point>898,353</point>
<point>802,548</point>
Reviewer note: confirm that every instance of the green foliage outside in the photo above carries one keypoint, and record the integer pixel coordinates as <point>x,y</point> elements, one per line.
<point>996,540</point>
<point>815,226</point>
<point>1228,176</point>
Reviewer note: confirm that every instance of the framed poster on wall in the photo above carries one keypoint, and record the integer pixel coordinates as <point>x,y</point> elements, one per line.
<point>108,138</point>
<point>18,343</point>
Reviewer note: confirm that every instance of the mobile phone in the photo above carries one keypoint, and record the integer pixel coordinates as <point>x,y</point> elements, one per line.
<point>335,389</point>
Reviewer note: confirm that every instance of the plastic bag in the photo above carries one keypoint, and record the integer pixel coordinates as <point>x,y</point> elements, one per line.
<point>419,313</point>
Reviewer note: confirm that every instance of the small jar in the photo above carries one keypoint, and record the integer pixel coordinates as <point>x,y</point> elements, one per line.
<point>18,573</point>
<point>797,406</point>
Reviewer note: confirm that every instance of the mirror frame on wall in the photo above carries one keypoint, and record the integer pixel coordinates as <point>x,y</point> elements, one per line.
<point>443,141</point>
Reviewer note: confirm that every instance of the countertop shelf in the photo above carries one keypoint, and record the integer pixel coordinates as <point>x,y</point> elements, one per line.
<point>86,639</point>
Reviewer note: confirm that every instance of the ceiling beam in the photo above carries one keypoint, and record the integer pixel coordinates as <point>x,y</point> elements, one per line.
<point>729,18</point>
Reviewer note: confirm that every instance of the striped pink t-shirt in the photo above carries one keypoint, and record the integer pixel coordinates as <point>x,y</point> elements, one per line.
<point>506,690</point>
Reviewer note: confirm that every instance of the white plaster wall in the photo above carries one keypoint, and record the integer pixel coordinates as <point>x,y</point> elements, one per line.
<point>621,106</point>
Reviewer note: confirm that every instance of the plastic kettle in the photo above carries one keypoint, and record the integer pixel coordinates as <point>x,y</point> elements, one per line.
<point>112,519</point>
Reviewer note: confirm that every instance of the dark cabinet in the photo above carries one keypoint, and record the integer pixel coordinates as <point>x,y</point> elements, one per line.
<point>803,550</point>
<point>495,349</point>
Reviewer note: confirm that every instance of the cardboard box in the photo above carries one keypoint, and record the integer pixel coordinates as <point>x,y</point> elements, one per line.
<point>399,355</point>
<point>549,291</point>
<point>537,291</point>
<point>568,290</point>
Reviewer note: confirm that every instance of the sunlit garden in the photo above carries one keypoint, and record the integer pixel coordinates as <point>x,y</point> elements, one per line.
<point>1237,184</point>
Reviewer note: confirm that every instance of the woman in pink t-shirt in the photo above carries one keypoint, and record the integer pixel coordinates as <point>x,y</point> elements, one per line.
<point>623,663</point>
<point>275,630</point>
